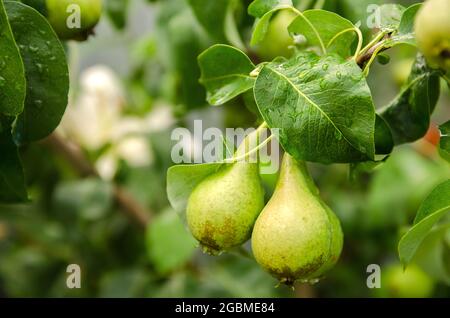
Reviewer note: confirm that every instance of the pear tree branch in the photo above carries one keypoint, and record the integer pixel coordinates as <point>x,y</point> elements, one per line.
<point>76,158</point>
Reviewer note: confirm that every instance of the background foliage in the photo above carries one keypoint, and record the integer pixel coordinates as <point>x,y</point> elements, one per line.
<point>131,84</point>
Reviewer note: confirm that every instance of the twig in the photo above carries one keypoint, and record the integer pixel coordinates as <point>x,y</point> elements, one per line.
<point>75,156</point>
<point>362,59</point>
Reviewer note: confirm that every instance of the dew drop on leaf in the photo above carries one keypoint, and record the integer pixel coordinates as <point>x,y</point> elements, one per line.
<point>40,67</point>
<point>33,48</point>
<point>38,103</point>
<point>303,74</point>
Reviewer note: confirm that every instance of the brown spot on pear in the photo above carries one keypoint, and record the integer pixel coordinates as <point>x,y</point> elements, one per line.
<point>223,208</point>
<point>296,236</point>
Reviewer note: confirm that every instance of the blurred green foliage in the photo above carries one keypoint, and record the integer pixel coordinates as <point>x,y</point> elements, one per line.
<point>73,220</point>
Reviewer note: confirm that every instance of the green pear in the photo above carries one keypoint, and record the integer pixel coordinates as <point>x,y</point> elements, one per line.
<point>396,282</point>
<point>61,13</point>
<point>222,209</point>
<point>278,41</point>
<point>296,236</point>
<point>432,29</point>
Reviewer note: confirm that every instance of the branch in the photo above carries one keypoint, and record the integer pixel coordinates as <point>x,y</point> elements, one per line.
<point>75,156</point>
<point>362,59</point>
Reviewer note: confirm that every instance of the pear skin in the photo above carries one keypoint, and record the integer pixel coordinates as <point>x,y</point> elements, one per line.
<point>223,208</point>
<point>296,236</point>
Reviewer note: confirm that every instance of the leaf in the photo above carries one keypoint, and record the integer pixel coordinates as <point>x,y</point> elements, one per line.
<point>359,168</point>
<point>405,32</point>
<point>384,143</point>
<point>258,8</point>
<point>432,252</point>
<point>390,16</point>
<point>12,179</point>
<point>262,25</point>
<point>231,25</point>
<point>326,30</point>
<point>169,245</point>
<point>211,15</point>
<point>433,208</point>
<point>406,25</point>
<point>46,73</point>
<point>444,143</point>
<point>187,41</point>
<point>225,73</point>
<point>322,106</point>
<point>12,73</point>
<point>182,179</point>
<point>360,13</point>
<point>408,115</point>
<point>39,5</point>
<point>117,11</point>
<point>399,187</point>
<point>217,18</point>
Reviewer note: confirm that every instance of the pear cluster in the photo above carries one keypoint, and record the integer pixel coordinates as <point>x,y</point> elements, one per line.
<point>295,236</point>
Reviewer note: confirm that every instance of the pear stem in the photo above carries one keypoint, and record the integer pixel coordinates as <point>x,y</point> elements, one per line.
<point>249,153</point>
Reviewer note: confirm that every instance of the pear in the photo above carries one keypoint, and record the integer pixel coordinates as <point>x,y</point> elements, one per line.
<point>223,208</point>
<point>296,236</point>
<point>432,30</point>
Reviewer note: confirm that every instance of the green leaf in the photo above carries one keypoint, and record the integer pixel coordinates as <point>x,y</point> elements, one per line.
<point>408,115</point>
<point>390,16</point>
<point>211,15</point>
<point>169,245</point>
<point>262,25</point>
<point>433,208</point>
<point>322,106</point>
<point>360,12</point>
<point>444,143</point>
<point>187,41</point>
<point>432,252</point>
<point>326,30</point>
<point>406,25</point>
<point>39,5</point>
<point>46,73</point>
<point>399,187</point>
<point>225,73</point>
<point>384,143</point>
<point>405,32</point>
<point>182,179</point>
<point>12,179</point>
<point>117,11</point>
<point>12,73</point>
<point>258,8</point>
<point>360,168</point>
<point>217,19</point>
